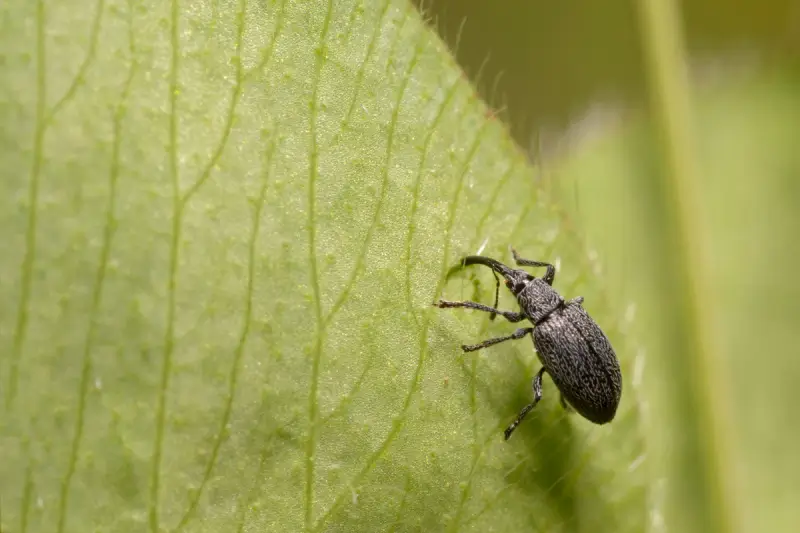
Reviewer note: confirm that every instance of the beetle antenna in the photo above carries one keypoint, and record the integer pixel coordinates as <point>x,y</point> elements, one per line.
<point>480,260</point>
<point>497,266</point>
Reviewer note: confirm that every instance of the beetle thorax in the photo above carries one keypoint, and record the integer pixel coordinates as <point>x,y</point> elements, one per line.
<point>538,299</point>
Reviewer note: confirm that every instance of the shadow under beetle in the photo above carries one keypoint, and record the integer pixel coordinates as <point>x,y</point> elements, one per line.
<point>571,346</point>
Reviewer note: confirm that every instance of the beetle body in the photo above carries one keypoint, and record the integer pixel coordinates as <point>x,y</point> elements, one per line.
<point>579,358</point>
<point>571,346</point>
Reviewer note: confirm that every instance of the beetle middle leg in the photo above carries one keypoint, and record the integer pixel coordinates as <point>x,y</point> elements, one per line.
<point>511,316</point>
<point>537,395</point>
<point>521,332</point>
<point>549,276</point>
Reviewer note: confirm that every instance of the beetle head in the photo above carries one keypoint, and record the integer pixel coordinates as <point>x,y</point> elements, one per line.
<point>515,279</point>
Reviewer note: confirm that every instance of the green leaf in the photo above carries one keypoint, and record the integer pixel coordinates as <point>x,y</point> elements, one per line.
<point>223,227</point>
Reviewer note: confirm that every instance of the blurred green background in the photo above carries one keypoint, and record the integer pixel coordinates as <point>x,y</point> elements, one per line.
<point>717,324</point>
<point>547,62</point>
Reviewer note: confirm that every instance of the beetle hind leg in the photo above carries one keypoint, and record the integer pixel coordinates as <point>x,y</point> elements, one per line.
<point>567,407</point>
<point>537,395</point>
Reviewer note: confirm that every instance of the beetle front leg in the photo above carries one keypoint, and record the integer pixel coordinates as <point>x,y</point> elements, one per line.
<point>521,332</point>
<point>511,316</point>
<point>549,276</point>
<point>496,294</point>
<point>537,395</point>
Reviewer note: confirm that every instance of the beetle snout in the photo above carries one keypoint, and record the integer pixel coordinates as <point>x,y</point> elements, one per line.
<point>517,280</point>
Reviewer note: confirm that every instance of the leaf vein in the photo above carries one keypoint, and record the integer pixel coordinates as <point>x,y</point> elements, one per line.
<point>29,257</point>
<point>480,448</point>
<point>25,501</point>
<point>270,49</point>
<point>399,421</point>
<point>451,219</point>
<point>417,183</point>
<point>169,332</point>
<point>362,68</point>
<point>348,27</point>
<point>402,506</point>
<point>240,346</point>
<point>493,199</point>
<point>85,64</point>
<point>382,196</point>
<point>344,403</point>
<point>236,94</point>
<point>313,407</point>
<point>393,46</point>
<point>97,291</point>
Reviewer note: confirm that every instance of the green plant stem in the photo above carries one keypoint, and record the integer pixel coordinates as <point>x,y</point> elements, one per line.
<point>707,443</point>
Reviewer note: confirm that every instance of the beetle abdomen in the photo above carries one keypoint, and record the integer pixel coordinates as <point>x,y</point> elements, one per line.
<point>581,361</point>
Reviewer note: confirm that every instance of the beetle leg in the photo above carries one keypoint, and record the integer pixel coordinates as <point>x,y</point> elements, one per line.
<point>549,276</point>
<point>496,294</point>
<point>564,403</point>
<point>537,395</point>
<point>511,316</point>
<point>521,332</point>
<point>578,300</point>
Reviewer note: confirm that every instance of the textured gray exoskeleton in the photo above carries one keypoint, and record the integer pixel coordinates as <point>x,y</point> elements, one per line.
<point>571,346</point>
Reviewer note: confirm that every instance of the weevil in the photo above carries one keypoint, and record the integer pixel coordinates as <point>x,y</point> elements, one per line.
<point>571,346</point>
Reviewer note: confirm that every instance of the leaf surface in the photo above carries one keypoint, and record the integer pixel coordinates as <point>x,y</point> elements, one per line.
<point>223,227</point>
